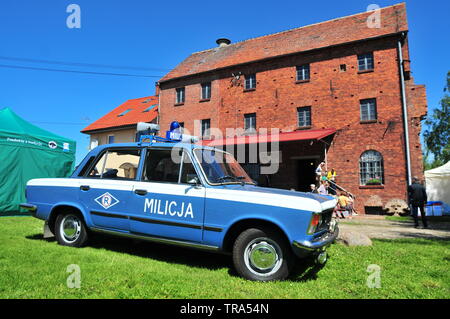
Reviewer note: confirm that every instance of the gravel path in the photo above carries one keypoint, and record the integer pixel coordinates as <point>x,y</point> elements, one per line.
<point>378,227</point>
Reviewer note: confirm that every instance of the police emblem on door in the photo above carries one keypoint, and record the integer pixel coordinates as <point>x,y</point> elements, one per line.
<point>106,200</point>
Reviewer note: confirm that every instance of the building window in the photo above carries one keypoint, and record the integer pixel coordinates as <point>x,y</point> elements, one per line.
<point>206,91</point>
<point>124,112</point>
<point>110,139</point>
<point>151,107</point>
<point>303,72</point>
<point>250,82</point>
<point>180,92</point>
<point>206,126</point>
<point>304,116</point>
<point>365,62</point>
<point>368,110</point>
<point>250,122</point>
<point>371,169</point>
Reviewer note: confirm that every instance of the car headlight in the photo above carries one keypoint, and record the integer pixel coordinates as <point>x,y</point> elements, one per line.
<point>315,221</point>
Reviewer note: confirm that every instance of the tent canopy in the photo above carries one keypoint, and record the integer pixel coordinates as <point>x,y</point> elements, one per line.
<point>27,152</point>
<point>438,183</point>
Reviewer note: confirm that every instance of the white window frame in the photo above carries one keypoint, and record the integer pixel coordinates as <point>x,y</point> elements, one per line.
<point>368,59</point>
<point>304,110</point>
<point>305,72</point>
<point>368,110</point>
<point>206,91</point>
<point>180,95</point>
<point>371,166</point>
<point>250,81</point>
<point>251,117</point>
<point>206,133</point>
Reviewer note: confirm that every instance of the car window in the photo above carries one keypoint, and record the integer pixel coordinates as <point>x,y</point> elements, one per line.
<point>86,166</point>
<point>165,165</point>
<point>221,167</point>
<point>116,164</point>
<point>188,174</point>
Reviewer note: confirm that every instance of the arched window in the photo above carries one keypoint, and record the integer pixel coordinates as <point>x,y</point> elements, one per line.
<point>371,171</point>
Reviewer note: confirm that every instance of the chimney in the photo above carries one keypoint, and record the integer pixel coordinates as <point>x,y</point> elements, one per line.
<point>223,42</point>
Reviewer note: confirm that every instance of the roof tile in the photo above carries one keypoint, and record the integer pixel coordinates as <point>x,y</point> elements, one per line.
<point>329,33</point>
<point>136,114</point>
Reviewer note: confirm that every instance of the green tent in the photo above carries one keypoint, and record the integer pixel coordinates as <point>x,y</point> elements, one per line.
<point>27,152</point>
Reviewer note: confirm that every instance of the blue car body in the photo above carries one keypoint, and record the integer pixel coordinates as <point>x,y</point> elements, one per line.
<point>203,215</point>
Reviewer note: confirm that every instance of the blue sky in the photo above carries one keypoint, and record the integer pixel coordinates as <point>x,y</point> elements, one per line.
<point>154,36</point>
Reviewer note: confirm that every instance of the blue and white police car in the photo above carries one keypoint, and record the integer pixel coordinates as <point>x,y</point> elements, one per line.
<point>185,194</point>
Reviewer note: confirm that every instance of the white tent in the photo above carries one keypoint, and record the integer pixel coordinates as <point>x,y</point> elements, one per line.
<point>438,184</point>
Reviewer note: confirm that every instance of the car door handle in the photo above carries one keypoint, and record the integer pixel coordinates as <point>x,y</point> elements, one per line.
<point>141,192</point>
<point>85,187</point>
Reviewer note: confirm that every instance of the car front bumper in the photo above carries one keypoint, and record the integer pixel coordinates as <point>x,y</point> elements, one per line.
<point>307,247</point>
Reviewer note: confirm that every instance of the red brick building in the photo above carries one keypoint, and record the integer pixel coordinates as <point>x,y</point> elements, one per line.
<point>335,89</point>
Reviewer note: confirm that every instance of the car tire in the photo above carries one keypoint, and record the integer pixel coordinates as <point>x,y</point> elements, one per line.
<point>262,255</point>
<point>70,230</point>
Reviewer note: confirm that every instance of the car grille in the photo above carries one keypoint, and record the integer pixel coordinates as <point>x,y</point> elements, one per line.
<point>324,223</point>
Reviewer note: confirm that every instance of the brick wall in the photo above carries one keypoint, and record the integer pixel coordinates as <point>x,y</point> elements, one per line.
<point>334,97</point>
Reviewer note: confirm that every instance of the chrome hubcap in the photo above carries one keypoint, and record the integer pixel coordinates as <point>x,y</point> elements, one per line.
<point>70,228</point>
<point>263,256</point>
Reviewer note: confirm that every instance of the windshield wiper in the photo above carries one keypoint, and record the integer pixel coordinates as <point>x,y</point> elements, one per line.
<point>234,178</point>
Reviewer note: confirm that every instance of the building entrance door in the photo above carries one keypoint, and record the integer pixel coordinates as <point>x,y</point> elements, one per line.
<point>306,174</point>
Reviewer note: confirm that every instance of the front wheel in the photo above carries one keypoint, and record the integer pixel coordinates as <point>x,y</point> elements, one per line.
<point>70,230</point>
<point>262,255</point>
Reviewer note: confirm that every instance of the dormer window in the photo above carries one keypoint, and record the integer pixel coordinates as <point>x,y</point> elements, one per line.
<point>124,112</point>
<point>151,107</point>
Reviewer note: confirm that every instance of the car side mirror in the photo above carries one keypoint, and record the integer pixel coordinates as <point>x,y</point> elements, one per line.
<point>192,179</point>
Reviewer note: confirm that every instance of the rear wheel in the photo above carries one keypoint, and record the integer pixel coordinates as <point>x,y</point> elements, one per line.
<point>70,230</point>
<point>262,255</point>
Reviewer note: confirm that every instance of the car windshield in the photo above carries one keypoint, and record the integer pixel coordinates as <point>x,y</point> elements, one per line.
<point>221,167</point>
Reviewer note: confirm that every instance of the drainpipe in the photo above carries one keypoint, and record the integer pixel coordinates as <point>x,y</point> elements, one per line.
<point>159,101</point>
<point>405,111</point>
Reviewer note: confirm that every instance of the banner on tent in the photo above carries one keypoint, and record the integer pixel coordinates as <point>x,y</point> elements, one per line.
<point>52,145</point>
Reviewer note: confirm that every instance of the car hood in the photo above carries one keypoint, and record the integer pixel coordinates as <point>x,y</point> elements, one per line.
<point>277,197</point>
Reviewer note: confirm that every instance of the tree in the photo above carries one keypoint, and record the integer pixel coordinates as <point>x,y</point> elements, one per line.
<point>437,136</point>
<point>430,164</point>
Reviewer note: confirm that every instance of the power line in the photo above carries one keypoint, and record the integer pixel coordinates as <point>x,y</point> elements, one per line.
<point>82,64</point>
<point>58,123</point>
<point>73,71</point>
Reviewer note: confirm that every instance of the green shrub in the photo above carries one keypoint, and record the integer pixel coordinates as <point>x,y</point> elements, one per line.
<point>374,181</point>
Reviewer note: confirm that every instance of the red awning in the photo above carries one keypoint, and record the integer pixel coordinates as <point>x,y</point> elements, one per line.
<point>268,138</point>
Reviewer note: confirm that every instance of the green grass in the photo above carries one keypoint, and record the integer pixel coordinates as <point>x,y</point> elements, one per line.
<point>31,267</point>
<point>399,218</point>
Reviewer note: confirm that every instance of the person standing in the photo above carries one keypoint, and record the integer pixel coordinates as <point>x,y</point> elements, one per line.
<point>319,172</point>
<point>331,176</point>
<point>417,197</point>
<point>323,189</point>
